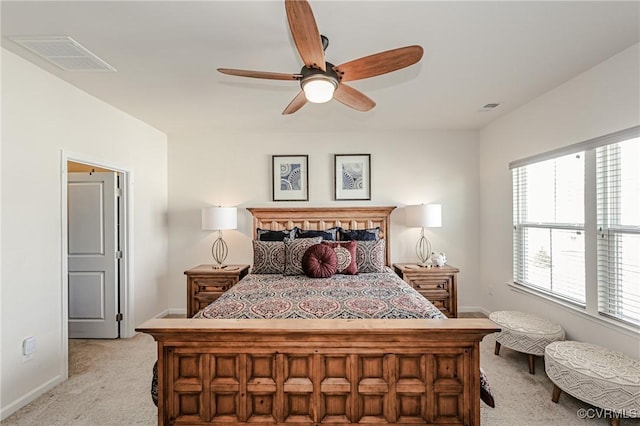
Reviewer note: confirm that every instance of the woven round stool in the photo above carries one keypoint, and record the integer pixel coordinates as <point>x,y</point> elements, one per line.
<point>526,333</point>
<point>596,375</point>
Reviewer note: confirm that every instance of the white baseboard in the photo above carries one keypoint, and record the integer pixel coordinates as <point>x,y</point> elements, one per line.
<point>162,314</point>
<point>29,397</point>
<point>473,309</point>
<point>172,311</point>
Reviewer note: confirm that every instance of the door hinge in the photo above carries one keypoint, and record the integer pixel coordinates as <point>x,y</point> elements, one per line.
<point>119,316</point>
<point>119,254</point>
<point>118,192</point>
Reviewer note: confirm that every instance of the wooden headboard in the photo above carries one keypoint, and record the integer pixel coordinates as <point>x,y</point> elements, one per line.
<point>321,218</point>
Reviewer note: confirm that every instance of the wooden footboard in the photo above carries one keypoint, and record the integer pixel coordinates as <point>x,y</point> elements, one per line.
<point>301,372</point>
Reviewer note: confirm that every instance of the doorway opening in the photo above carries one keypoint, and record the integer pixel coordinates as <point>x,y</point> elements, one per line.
<point>95,263</point>
<point>94,255</point>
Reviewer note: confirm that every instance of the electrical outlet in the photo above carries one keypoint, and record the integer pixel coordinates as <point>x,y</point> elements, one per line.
<point>28,349</point>
<point>490,290</point>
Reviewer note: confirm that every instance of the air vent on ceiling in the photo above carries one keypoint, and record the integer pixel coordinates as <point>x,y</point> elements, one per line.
<point>64,52</point>
<point>489,107</point>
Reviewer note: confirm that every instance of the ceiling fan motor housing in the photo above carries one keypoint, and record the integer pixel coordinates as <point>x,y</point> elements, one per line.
<point>316,73</point>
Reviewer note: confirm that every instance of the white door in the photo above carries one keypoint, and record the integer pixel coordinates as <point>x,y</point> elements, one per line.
<point>92,258</point>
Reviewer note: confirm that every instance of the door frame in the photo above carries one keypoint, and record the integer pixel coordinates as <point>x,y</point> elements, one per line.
<point>126,284</point>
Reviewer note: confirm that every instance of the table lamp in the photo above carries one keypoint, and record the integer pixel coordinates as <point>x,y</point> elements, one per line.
<point>219,219</point>
<point>424,216</point>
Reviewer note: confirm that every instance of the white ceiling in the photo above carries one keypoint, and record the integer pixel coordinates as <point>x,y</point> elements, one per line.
<point>166,54</point>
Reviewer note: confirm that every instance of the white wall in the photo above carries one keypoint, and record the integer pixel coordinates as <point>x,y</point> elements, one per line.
<point>42,115</point>
<point>600,101</point>
<point>233,169</point>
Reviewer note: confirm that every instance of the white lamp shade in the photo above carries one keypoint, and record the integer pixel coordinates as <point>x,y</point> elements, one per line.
<point>424,216</point>
<point>217,218</point>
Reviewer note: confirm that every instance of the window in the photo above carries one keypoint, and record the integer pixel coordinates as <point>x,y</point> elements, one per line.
<point>581,202</point>
<point>618,195</point>
<point>548,217</point>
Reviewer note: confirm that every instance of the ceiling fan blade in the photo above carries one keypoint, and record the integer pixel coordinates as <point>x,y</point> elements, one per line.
<point>298,102</point>
<point>353,98</point>
<point>379,63</point>
<point>305,33</point>
<point>260,74</point>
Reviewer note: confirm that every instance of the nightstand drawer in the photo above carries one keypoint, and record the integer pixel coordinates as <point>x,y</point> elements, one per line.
<point>430,285</point>
<point>440,299</point>
<point>202,300</point>
<point>220,284</point>
<point>442,307</point>
<point>207,298</point>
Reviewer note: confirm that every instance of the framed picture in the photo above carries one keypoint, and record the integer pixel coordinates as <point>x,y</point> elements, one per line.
<point>290,176</point>
<point>352,176</point>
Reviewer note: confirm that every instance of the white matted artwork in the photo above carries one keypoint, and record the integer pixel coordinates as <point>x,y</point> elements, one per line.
<point>290,176</point>
<point>352,176</point>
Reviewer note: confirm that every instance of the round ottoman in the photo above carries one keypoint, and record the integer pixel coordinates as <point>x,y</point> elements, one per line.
<point>596,375</point>
<point>526,333</point>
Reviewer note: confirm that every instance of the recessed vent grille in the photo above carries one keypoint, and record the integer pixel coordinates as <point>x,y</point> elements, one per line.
<point>64,52</point>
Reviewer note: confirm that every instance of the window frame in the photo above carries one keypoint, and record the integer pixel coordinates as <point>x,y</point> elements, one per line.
<point>523,224</point>
<point>591,307</point>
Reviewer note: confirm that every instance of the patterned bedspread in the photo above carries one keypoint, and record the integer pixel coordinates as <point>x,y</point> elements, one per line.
<point>370,295</point>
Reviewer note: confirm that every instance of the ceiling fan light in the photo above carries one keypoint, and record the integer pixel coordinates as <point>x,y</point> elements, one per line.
<point>319,90</point>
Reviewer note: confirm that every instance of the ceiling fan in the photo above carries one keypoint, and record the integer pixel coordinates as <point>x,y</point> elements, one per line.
<point>322,81</point>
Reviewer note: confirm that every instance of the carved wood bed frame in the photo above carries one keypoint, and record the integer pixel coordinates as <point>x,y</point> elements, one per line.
<point>330,372</point>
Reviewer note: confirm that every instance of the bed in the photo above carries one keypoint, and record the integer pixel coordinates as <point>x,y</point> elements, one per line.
<point>336,359</point>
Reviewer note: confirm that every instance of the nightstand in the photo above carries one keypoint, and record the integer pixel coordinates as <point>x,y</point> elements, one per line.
<point>438,284</point>
<point>205,284</point>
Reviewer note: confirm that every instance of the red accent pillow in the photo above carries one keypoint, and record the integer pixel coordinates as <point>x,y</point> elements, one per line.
<point>319,261</point>
<point>346,254</point>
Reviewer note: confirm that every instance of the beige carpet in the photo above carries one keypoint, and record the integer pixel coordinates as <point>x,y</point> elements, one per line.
<point>109,382</point>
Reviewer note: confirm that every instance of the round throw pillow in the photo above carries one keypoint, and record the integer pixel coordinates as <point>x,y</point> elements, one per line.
<point>319,261</point>
<point>346,254</point>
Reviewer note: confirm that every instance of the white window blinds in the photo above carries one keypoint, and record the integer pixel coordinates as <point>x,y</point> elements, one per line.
<point>555,193</point>
<point>618,200</point>
<point>548,219</point>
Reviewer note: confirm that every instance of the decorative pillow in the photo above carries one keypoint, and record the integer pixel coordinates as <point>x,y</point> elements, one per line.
<point>369,234</point>
<point>269,235</point>
<point>328,234</point>
<point>268,257</point>
<point>370,256</point>
<point>293,252</point>
<point>319,261</point>
<point>486,394</point>
<point>346,255</point>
